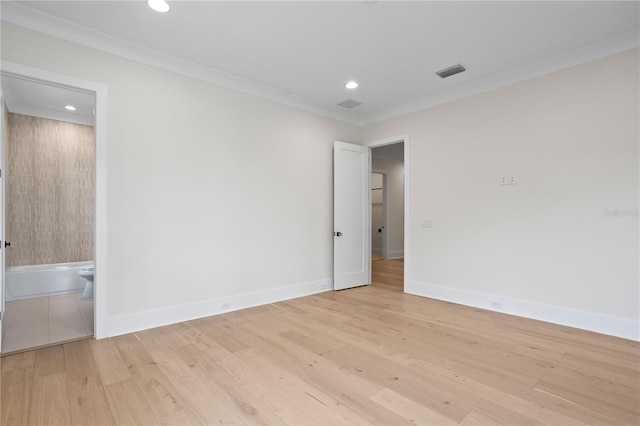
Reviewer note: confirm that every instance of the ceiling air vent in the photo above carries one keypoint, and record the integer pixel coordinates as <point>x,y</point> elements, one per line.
<point>453,70</point>
<point>349,103</point>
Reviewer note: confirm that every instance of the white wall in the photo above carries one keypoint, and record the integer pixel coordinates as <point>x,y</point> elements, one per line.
<point>395,204</point>
<point>212,194</point>
<point>377,212</point>
<point>545,247</point>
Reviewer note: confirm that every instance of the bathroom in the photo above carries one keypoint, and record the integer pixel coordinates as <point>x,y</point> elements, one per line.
<point>49,155</point>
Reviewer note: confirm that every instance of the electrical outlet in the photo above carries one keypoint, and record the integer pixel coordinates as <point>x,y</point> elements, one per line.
<point>225,306</point>
<point>426,222</point>
<point>495,305</point>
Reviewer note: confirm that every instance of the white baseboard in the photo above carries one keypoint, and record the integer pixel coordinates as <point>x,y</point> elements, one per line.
<point>395,254</point>
<point>130,323</point>
<point>613,326</point>
<point>604,324</point>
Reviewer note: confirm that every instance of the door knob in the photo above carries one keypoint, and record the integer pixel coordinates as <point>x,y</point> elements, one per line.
<point>338,234</point>
<point>7,243</point>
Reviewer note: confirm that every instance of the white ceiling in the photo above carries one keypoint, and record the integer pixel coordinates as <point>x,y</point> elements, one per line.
<point>28,97</point>
<point>303,52</point>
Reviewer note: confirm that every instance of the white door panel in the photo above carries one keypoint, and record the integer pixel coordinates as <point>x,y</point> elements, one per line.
<point>352,246</point>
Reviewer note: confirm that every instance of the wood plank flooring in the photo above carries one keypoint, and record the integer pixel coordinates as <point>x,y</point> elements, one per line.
<point>370,355</point>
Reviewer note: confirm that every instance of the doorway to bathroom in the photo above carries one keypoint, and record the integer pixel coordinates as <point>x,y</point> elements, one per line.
<point>51,223</point>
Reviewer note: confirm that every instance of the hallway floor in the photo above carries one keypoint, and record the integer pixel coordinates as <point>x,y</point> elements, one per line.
<point>388,274</point>
<point>32,323</point>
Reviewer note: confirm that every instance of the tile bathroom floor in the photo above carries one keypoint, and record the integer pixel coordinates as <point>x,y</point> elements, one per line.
<point>41,321</point>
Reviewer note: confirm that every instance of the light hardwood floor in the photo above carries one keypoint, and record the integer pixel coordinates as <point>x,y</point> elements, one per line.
<point>370,355</point>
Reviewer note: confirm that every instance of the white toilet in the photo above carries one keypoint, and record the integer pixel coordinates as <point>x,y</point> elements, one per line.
<point>87,274</point>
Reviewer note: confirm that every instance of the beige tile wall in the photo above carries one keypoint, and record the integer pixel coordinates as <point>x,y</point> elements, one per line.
<point>49,191</point>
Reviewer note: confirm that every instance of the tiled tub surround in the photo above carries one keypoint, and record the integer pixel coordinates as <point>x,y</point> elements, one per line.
<point>49,191</point>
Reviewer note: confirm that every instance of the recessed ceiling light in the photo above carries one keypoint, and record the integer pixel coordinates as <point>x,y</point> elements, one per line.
<point>70,108</point>
<point>159,5</point>
<point>351,85</point>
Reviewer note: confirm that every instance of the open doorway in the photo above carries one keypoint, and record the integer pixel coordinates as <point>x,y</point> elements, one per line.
<point>388,189</point>
<point>352,167</point>
<point>49,192</point>
<point>387,195</point>
<point>64,153</point>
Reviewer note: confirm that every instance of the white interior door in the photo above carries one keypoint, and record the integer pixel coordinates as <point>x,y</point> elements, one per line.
<point>351,215</point>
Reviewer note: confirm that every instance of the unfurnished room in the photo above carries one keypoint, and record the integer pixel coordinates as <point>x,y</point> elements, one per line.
<point>320,212</point>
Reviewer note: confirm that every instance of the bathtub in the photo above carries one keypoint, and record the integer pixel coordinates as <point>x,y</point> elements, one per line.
<point>27,282</point>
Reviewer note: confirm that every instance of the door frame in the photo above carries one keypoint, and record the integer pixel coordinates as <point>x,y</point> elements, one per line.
<point>100,208</point>
<point>390,141</point>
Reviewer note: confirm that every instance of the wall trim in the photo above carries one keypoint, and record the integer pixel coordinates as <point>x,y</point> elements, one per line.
<point>43,23</point>
<point>598,323</point>
<point>398,254</point>
<point>407,178</point>
<point>130,323</point>
<point>582,55</point>
<point>37,21</point>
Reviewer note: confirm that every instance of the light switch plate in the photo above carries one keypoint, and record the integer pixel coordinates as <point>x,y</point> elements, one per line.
<point>426,222</point>
<point>508,180</point>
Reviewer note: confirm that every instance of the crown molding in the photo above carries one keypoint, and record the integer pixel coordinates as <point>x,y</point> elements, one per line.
<point>601,49</point>
<point>44,23</point>
<point>37,21</point>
